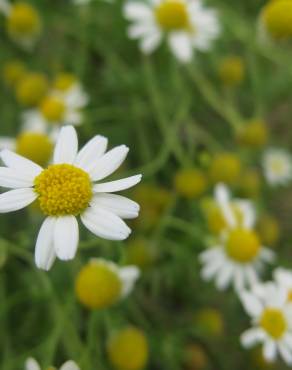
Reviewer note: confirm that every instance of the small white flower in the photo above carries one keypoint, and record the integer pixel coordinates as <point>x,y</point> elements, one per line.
<point>239,256</point>
<point>68,188</point>
<point>283,278</point>
<point>271,321</point>
<point>186,24</point>
<point>31,364</point>
<point>277,166</point>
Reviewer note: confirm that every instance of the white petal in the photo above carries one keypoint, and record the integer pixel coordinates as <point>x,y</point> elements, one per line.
<point>7,143</point>
<point>19,163</point>
<point>251,275</point>
<point>10,178</point>
<point>118,185</point>
<point>251,304</point>
<point>269,350</point>
<point>251,337</point>
<point>105,224</point>
<point>238,279</point>
<point>150,42</point>
<point>128,275</point>
<point>31,364</point>
<point>137,11</point>
<point>210,254</point>
<point>212,267</point>
<point>181,46</point>
<point>248,212</point>
<point>5,7</point>
<point>70,365</point>
<point>44,251</point>
<point>91,151</point>
<point>285,353</point>
<point>109,162</point>
<point>14,200</point>
<point>66,146</point>
<point>223,200</point>
<point>120,206</point>
<point>66,237</point>
<point>224,276</point>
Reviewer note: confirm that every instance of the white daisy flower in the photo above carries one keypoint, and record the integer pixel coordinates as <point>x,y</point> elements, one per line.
<point>277,166</point>
<point>32,364</point>
<point>186,24</point>
<point>239,256</point>
<point>271,321</point>
<point>283,278</point>
<point>68,188</point>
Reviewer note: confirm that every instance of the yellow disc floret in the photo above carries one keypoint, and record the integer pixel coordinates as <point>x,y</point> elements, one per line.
<point>273,322</point>
<point>23,20</point>
<point>231,70</point>
<point>190,182</point>
<point>277,19</point>
<point>172,15</point>
<point>242,245</point>
<point>254,134</point>
<point>98,285</point>
<point>63,189</point>
<point>128,349</point>
<point>226,168</point>
<point>13,71</point>
<point>64,81</point>
<point>35,146</point>
<point>32,88</point>
<point>53,109</point>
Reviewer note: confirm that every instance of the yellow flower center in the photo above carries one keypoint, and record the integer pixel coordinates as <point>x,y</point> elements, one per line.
<point>242,245</point>
<point>23,20</point>
<point>53,109</point>
<point>273,322</point>
<point>231,70</point>
<point>254,134</point>
<point>63,190</point>
<point>278,166</point>
<point>32,88</point>
<point>277,17</point>
<point>190,183</point>
<point>172,15</point>
<point>97,285</point>
<point>289,298</point>
<point>34,146</point>
<point>64,81</point>
<point>225,167</point>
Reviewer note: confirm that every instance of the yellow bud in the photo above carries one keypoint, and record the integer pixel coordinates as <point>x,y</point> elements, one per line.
<point>226,168</point>
<point>53,109</point>
<point>128,349</point>
<point>139,252</point>
<point>254,134</point>
<point>190,183</point>
<point>195,357</point>
<point>97,285</point>
<point>13,71</point>
<point>277,19</point>
<point>268,229</point>
<point>209,322</point>
<point>64,81</point>
<point>35,146</point>
<point>231,71</point>
<point>250,184</point>
<point>32,88</point>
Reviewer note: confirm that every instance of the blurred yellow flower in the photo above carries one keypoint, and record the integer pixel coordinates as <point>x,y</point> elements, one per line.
<point>276,18</point>
<point>225,167</point>
<point>64,81</point>
<point>250,183</point>
<point>32,88</point>
<point>13,71</point>
<point>101,283</point>
<point>35,146</point>
<point>190,182</point>
<point>231,70</point>
<point>209,322</point>
<point>254,134</point>
<point>195,357</point>
<point>268,229</point>
<point>128,349</point>
<point>139,252</point>
<point>53,109</point>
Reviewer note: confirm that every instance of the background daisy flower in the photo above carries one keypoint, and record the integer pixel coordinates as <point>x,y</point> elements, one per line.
<point>68,188</point>
<point>277,166</point>
<point>186,24</point>
<point>32,364</point>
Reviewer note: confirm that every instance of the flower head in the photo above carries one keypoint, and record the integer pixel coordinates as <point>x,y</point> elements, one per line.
<point>254,134</point>
<point>31,364</point>
<point>271,321</point>
<point>31,88</point>
<point>13,72</point>
<point>239,255</point>
<point>225,167</point>
<point>277,166</point>
<point>101,283</point>
<point>185,24</point>
<point>231,70</point>
<point>283,277</point>
<point>190,182</point>
<point>70,187</point>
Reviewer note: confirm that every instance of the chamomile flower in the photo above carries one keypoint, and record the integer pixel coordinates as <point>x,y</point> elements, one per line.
<point>102,283</point>
<point>277,166</point>
<point>68,188</point>
<point>271,321</point>
<point>23,22</point>
<point>283,278</point>
<point>186,25</point>
<point>239,256</point>
<point>32,364</point>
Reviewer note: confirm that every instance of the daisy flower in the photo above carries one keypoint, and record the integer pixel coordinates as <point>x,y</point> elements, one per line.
<point>277,166</point>
<point>68,188</point>
<point>185,24</point>
<point>101,283</point>
<point>283,278</point>
<point>32,364</point>
<point>23,22</point>
<point>271,321</point>
<point>239,256</point>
